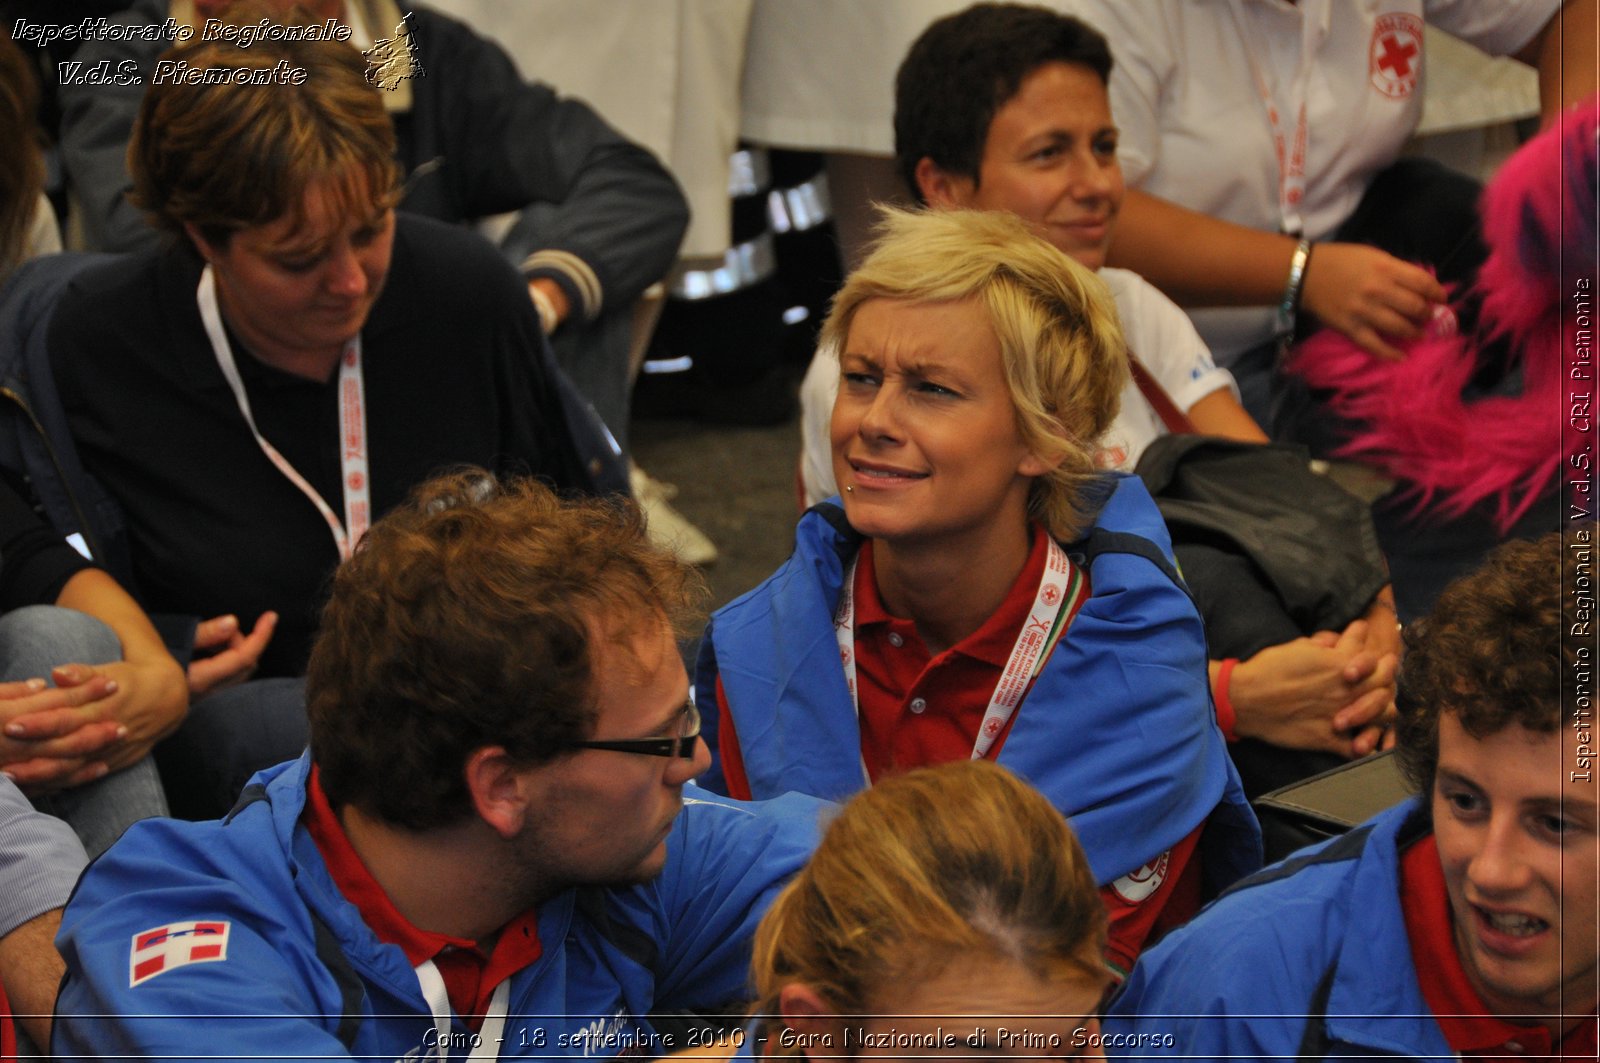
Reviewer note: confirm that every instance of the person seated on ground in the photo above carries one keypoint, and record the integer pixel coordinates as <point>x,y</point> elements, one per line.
<point>1037,140</point>
<point>298,356</point>
<point>80,750</point>
<point>1342,227</point>
<point>490,836</point>
<point>291,363</point>
<point>980,557</point>
<point>1341,86</point>
<point>600,218</point>
<point>1458,924</point>
<point>947,909</point>
<point>40,860</point>
<point>1040,143</point>
<point>119,690</point>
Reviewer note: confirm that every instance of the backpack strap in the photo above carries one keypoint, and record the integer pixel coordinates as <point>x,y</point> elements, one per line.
<point>1176,420</point>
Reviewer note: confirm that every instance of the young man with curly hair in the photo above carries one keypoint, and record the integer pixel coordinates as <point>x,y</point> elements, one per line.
<point>1460,923</point>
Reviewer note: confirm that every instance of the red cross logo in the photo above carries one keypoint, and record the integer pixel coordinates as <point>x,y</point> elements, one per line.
<point>1051,594</point>
<point>1395,55</point>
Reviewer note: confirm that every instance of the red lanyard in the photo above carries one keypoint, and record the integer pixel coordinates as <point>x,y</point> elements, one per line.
<point>1290,149</point>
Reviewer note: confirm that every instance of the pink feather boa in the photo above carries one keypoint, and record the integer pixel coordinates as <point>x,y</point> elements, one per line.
<point>1539,223</point>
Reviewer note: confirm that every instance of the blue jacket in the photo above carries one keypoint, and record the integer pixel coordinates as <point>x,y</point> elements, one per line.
<point>1118,731</point>
<point>1308,957</point>
<point>304,977</point>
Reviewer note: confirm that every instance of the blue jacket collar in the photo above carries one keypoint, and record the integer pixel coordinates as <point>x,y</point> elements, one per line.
<point>1376,1001</point>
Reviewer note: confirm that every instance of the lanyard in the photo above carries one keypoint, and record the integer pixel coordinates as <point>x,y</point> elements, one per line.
<point>352,426</point>
<point>1052,611</point>
<point>1290,149</point>
<point>490,1034</point>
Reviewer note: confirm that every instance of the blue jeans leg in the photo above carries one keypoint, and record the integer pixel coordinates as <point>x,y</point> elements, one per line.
<point>35,639</point>
<point>229,736</point>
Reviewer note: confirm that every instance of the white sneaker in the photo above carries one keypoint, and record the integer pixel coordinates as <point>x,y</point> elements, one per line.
<point>666,526</point>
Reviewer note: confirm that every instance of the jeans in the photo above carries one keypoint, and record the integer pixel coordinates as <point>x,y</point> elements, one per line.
<point>35,639</point>
<point>229,736</point>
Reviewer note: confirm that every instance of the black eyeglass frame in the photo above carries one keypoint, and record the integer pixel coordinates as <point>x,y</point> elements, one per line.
<point>682,746</point>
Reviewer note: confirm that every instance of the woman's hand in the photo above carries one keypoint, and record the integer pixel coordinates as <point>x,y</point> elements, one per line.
<point>1325,692</point>
<point>236,654</point>
<point>1368,294</point>
<point>57,738</point>
<point>150,701</point>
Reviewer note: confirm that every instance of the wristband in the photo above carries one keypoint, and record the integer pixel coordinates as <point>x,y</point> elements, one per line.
<point>1220,695</point>
<point>546,307</point>
<point>1289,306</point>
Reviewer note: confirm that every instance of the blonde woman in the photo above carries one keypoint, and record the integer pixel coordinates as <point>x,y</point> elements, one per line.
<point>983,591</point>
<point>950,909</point>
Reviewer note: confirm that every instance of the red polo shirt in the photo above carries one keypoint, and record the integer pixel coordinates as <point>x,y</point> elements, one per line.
<point>1468,1026</point>
<point>470,976</point>
<point>919,709</point>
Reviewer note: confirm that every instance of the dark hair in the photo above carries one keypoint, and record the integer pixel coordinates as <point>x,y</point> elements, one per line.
<point>466,619</point>
<point>965,67</point>
<point>227,156</point>
<point>22,167</point>
<point>1495,651</point>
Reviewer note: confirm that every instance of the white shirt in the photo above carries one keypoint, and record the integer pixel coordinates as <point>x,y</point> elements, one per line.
<point>44,235</point>
<point>1156,331</point>
<point>819,74</point>
<point>1194,126</point>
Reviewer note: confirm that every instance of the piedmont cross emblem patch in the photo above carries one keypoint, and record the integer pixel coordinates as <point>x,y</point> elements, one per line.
<point>166,948</point>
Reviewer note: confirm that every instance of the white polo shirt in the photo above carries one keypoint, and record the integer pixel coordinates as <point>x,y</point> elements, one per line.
<point>1187,92</point>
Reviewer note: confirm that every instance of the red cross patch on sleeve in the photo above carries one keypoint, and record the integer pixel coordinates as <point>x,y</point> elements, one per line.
<point>1394,58</point>
<point>166,948</point>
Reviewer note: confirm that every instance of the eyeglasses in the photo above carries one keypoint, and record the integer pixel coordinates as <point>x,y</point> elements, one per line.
<point>680,746</point>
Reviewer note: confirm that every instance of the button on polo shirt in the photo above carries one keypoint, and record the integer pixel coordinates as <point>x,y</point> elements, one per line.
<point>917,708</point>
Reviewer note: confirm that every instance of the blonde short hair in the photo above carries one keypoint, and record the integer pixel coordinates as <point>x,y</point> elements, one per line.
<point>938,866</point>
<point>1061,344</point>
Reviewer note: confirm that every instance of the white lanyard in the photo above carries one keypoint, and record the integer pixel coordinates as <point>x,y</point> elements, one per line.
<point>1061,584</point>
<point>352,426</point>
<point>1290,150</point>
<point>490,1034</point>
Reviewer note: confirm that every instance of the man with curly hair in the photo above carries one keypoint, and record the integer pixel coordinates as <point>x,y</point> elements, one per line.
<point>1462,922</point>
<point>491,843</point>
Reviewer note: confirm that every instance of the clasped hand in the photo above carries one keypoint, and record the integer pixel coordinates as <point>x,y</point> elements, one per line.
<point>101,718</point>
<point>1331,691</point>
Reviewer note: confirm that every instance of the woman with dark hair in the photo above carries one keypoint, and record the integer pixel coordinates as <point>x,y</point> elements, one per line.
<point>86,686</point>
<point>27,222</point>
